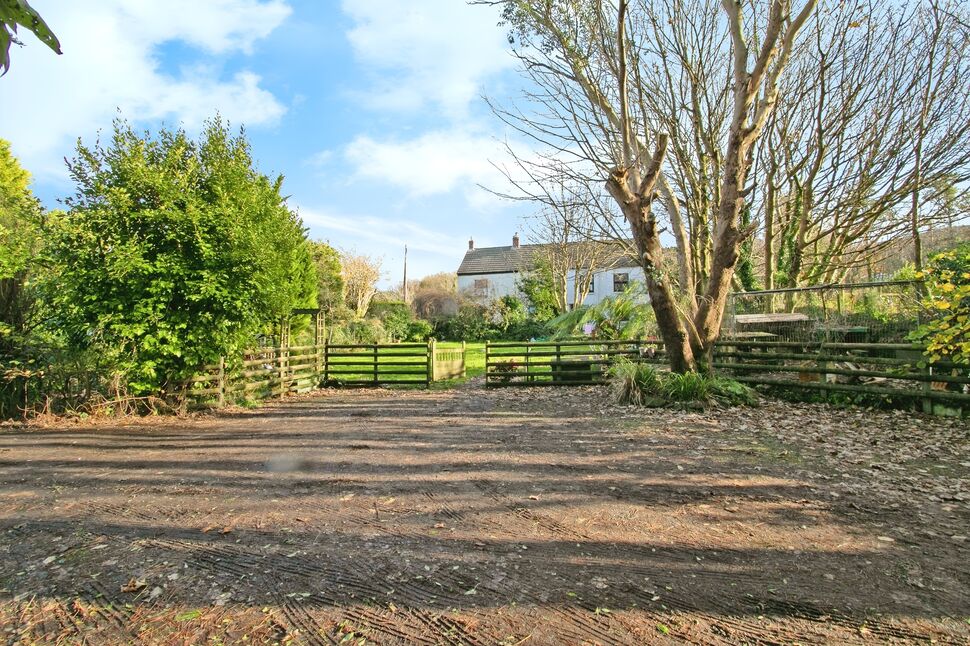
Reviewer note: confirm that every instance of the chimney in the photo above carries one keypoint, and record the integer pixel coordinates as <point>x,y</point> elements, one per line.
<point>471,244</point>
<point>515,240</point>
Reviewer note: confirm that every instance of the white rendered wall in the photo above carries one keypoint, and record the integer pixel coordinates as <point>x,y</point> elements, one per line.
<point>603,284</point>
<point>499,285</point>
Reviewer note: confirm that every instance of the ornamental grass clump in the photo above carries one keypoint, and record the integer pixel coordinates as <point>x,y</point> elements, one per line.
<point>640,384</point>
<point>635,384</point>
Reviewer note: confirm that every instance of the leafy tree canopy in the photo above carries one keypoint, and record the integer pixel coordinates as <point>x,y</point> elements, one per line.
<point>539,289</point>
<point>20,219</point>
<point>330,282</point>
<point>174,252</point>
<point>19,215</point>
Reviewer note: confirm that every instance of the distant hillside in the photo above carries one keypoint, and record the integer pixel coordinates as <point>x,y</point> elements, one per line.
<point>901,251</point>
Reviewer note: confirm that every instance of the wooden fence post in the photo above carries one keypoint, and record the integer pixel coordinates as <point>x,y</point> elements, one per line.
<point>487,357</point>
<point>928,387</point>
<point>464,360</point>
<point>281,370</point>
<point>317,346</point>
<point>376,375</point>
<point>283,355</point>
<point>431,376</point>
<point>221,401</point>
<point>326,363</point>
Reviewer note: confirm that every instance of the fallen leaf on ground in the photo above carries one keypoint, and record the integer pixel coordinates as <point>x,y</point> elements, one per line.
<point>133,585</point>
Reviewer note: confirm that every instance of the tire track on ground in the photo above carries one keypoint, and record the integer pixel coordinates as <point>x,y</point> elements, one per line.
<point>551,525</point>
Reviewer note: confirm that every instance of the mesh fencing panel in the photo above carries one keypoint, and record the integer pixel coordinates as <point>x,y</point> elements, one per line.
<point>884,312</point>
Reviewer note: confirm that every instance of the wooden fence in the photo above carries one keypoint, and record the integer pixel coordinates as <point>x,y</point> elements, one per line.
<point>892,370</point>
<point>276,372</point>
<point>261,374</point>
<point>557,363</point>
<point>897,370</point>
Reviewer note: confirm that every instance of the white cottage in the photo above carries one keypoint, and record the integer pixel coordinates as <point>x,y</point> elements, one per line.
<point>493,272</point>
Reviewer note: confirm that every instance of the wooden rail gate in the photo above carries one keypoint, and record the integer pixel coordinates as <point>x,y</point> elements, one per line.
<point>557,363</point>
<point>378,364</point>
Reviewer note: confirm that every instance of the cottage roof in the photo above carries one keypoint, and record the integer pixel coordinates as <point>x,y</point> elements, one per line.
<point>499,260</point>
<point>512,259</point>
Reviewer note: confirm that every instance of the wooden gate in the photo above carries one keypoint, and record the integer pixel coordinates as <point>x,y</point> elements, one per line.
<point>557,363</point>
<point>392,364</point>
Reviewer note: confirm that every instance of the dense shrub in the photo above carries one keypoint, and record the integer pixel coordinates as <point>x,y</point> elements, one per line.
<point>361,331</point>
<point>399,322</point>
<point>419,330</point>
<point>627,315</point>
<point>471,323</point>
<point>635,383</point>
<point>505,319</point>
<point>173,253</point>
<point>395,316</point>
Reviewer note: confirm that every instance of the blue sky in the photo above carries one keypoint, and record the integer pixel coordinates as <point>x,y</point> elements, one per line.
<point>371,109</point>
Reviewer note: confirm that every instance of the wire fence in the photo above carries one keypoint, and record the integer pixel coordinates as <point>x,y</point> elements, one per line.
<point>883,312</point>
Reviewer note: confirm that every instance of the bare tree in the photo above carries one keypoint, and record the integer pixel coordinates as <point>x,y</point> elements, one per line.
<point>361,274</point>
<point>570,237</point>
<point>594,109</point>
<point>874,113</point>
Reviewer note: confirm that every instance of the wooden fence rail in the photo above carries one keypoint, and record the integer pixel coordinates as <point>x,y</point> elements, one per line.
<point>896,370</point>
<point>276,372</point>
<point>557,363</point>
<point>378,364</point>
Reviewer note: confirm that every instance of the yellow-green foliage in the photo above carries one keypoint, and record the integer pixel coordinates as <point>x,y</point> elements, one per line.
<point>947,334</point>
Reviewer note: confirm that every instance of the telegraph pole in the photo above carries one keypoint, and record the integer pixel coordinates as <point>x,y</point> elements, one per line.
<point>405,273</point>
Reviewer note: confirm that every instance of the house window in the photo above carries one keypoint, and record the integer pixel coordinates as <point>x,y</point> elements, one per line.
<point>592,284</point>
<point>480,288</point>
<point>620,282</point>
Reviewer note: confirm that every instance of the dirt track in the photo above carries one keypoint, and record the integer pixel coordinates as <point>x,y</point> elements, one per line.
<point>473,517</point>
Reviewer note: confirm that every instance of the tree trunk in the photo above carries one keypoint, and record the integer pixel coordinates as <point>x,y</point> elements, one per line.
<point>727,240</point>
<point>637,208</point>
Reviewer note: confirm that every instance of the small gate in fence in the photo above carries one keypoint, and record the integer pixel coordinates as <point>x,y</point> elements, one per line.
<point>557,363</point>
<point>447,363</point>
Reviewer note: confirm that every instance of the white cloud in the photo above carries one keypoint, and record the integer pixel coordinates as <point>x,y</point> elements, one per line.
<point>433,163</point>
<point>215,25</point>
<point>111,63</point>
<point>460,160</point>
<point>429,53</point>
<point>381,233</point>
